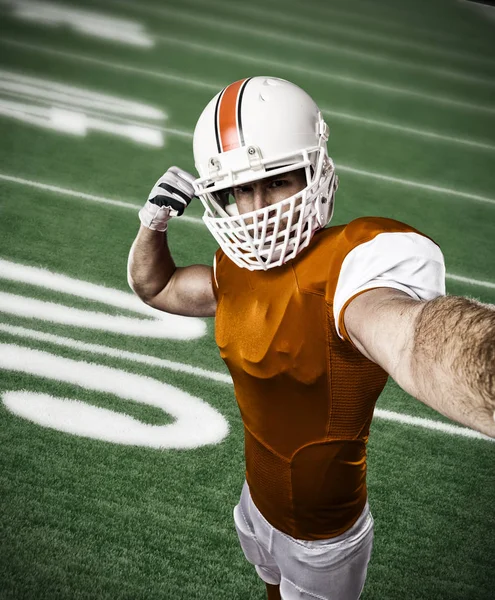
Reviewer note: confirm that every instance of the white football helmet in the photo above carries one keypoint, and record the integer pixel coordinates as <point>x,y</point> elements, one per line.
<point>256,128</point>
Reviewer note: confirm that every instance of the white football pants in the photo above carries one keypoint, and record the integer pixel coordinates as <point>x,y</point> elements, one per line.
<point>330,569</point>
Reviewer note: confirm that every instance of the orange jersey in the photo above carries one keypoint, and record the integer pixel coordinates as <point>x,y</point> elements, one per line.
<point>306,396</point>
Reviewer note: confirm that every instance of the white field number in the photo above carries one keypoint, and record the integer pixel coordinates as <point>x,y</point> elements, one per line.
<point>85,22</point>
<point>196,423</point>
<point>77,111</point>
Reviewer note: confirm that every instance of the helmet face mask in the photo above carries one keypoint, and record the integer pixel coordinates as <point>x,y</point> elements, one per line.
<point>270,236</point>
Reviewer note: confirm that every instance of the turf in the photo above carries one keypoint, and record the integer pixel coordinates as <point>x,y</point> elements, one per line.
<point>85,519</point>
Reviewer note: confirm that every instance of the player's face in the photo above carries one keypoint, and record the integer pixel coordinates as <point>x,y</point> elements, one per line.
<point>268,191</point>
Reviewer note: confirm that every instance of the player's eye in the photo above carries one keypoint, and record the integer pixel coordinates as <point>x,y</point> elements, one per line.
<point>276,183</point>
<point>243,189</point>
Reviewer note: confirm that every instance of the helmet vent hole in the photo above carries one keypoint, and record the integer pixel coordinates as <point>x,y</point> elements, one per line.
<point>262,98</point>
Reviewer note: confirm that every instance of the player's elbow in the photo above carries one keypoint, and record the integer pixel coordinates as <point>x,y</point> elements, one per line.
<point>142,290</point>
<point>131,283</point>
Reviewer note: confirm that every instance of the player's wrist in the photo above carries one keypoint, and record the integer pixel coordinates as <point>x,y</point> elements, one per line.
<point>154,217</point>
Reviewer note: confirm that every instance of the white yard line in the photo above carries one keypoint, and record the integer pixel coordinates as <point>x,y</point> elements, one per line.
<point>184,218</point>
<point>215,376</point>
<point>98,113</point>
<point>48,90</point>
<point>273,33</point>
<point>188,135</point>
<point>383,16</point>
<point>389,415</point>
<point>415,184</point>
<point>470,281</point>
<point>83,195</point>
<point>335,49</point>
<point>208,85</point>
<point>158,324</point>
<point>409,130</point>
<point>69,192</point>
<point>114,353</point>
<point>340,167</point>
<point>170,77</point>
<point>359,34</point>
<point>224,52</point>
<point>174,78</point>
<point>77,111</point>
<point>326,75</point>
<point>84,22</point>
<point>378,20</point>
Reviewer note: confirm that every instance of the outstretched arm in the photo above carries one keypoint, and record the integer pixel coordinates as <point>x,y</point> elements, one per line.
<point>442,351</point>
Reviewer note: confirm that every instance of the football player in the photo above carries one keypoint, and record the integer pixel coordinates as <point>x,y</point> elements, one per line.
<point>310,322</point>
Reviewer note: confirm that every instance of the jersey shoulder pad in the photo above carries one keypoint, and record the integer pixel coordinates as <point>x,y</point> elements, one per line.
<point>366,228</point>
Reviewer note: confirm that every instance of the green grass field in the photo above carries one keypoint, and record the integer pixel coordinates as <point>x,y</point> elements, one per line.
<point>408,91</point>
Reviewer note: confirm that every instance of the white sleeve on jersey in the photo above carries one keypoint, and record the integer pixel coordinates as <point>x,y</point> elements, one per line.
<point>409,262</point>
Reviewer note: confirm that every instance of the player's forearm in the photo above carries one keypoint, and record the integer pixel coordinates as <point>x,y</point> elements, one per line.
<point>452,362</point>
<point>150,265</point>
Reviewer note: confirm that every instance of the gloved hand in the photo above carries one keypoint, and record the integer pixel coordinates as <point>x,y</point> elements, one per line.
<point>169,197</point>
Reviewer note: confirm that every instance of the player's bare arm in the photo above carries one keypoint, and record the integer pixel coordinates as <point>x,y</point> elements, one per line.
<point>155,278</point>
<point>442,351</point>
<point>152,272</point>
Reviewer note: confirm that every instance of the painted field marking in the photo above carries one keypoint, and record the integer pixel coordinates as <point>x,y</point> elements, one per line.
<point>93,24</point>
<point>382,21</point>
<point>162,325</point>
<point>362,15</point>
<point>16,83</point>
<point>346,116</point>
<point>230,53</point>
<point>347,169</point>
<point>73,122</point>
<point>410,130</point>
<point>150,360</point>
<point>346,32</point>
<point>353,81</point>
<point>272,33</point>
<point>196,423</point>
<point>31,308</point>
<point>415,184</point>
<point>115,353</point>
<point>76,111</point>
<point>389,415</point>
<point>83,196</point>
<point>323,74</point>
<point>328,75</point>
<point>218,51</point>
<point>194,220</point>
<point>470,281</point>
<point>161,75</point>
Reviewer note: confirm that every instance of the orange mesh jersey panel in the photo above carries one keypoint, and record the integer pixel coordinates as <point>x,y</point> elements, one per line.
<point>306,397</point>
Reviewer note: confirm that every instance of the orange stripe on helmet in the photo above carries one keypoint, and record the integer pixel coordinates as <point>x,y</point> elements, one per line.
<point>227,117</point>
